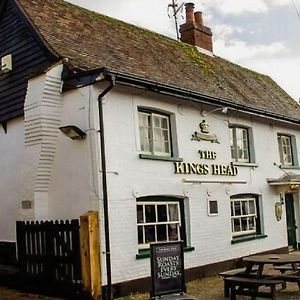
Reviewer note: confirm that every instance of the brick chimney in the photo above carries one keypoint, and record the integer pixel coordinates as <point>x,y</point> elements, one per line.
<point>194,32</point>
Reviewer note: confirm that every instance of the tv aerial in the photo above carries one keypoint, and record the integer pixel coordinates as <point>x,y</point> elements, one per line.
<point>175,8</point>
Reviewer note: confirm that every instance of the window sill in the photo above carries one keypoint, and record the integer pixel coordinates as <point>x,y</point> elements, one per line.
<point>289,167</point>
<point>156,157</point>
<point>146,253</point>
<point>247,238</point>
<point>244,164</point>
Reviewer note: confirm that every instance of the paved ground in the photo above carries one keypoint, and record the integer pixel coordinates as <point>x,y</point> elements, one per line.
<point>205,289</point>
<point>9,294</point>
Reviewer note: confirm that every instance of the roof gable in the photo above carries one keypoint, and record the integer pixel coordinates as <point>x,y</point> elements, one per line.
<point>91,40</point>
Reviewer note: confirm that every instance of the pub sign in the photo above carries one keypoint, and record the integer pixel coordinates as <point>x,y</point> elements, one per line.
<point>167,268</point>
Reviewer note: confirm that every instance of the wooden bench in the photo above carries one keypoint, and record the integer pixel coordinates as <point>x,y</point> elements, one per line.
<point>290,277</point>
<point>285,268</point>
<point>250,286</point>
<point>234,272</point>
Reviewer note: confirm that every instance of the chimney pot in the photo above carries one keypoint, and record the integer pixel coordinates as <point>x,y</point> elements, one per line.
<point>198,18</point>
<point>189,12</point>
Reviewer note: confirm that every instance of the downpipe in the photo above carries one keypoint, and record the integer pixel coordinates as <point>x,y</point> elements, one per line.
<point>108,291</point>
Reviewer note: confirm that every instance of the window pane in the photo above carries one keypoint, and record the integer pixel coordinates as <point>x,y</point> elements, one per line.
<point>150,213</point>
<point>164,123</point>
<point>251,223</point>
<point>252,207</point>
<point>162,213</point>
<point>140,235</point>
<point>139,214</point>
<point>237,208</point>
<point>149,233</point>
<point>244,224</point>
<point>173,234</point>
<point>231,207</point>
<point>245,207</point>
<point>145,131</point>
<point>173,212</point>
<point>161,233</point>
<point>156,121</point>
<point>236,225</point>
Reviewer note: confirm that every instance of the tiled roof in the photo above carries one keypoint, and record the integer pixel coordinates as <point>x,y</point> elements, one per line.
<point>91,40</point>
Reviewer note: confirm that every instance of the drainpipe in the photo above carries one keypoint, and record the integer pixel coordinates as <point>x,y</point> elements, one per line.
<point>108,295</point>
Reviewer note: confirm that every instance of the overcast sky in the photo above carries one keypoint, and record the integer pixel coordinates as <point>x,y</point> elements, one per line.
<point>263,35</point>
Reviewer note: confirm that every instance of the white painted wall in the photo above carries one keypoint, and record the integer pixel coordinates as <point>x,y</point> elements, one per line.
<point>11,149</point>
<point>130,177</point>
<point>74,182</point>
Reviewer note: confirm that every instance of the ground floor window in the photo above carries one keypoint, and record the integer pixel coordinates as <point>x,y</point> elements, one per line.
<point>244,215</point>
<point>159,219</point>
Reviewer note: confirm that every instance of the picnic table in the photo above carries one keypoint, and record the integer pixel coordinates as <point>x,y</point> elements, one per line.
<point>248,281</point>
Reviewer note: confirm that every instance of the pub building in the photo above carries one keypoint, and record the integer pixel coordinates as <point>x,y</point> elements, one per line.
<point>190,146</point>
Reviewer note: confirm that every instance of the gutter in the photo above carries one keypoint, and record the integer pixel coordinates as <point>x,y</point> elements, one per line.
<point>175,91</point>
<point>108,292</point>
<point>92,76</point>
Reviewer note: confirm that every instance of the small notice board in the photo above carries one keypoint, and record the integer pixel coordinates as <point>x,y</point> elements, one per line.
<point>167,268</point>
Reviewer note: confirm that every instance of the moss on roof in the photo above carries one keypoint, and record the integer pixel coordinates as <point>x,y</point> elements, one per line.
<point>91,40</point>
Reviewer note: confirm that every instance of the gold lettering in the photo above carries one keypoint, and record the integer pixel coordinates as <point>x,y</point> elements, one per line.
<point>205,169</point>
<point>193,168</point>
<point>207,154</point>
<point>230,171</point>
<point>235,170</point>
<point>216,170</point>
<point>179,168</point>
<point>224,170</point>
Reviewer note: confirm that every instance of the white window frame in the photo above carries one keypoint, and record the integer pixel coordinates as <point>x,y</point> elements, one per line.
<point>247,216</point>
<point>240,147</point>
<point>146,245</point>
<point>151,139</point>
<point>285,149</point>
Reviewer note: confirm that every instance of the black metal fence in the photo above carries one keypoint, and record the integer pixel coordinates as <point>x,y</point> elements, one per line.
<point>49,252</point>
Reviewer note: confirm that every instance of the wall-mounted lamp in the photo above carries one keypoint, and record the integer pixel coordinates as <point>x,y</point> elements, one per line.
<point>73,132</point>
<point>223,110</point>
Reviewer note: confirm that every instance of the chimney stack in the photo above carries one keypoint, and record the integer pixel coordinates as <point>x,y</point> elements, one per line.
<point>189,12</point>
<point>194,32</point>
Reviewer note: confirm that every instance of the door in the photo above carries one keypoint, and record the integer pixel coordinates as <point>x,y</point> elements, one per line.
<point>290,221</point>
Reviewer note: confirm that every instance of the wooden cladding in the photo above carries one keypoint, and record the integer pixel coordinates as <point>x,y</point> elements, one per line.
<point>29,56</point>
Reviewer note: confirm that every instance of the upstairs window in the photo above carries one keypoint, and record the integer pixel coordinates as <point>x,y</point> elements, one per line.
<point>239,144</point>
<point>155,135</point>
<point>287,150</point>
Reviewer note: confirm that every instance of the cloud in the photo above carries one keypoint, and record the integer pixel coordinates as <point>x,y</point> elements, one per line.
<point>224,31</point>
<point>237,51</point>
<point>234,7</point>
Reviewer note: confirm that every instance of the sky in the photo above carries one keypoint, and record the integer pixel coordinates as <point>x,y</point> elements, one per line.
<point>262,35</point>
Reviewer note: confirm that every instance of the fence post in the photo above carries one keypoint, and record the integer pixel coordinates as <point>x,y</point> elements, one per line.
<point>90,254</point>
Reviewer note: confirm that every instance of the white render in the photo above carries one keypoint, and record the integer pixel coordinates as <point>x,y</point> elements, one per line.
<point>68,183</point>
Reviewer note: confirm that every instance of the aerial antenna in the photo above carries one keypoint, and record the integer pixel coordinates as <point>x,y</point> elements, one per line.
<point>176,8</point>
<point>296,8</point>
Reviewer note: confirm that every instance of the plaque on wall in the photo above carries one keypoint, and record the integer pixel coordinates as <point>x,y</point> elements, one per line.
<point>167,268</point>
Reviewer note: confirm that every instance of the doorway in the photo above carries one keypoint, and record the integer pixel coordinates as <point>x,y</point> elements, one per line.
<point>290,221</point>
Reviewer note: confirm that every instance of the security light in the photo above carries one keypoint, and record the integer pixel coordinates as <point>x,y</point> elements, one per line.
<point>73,132</point>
